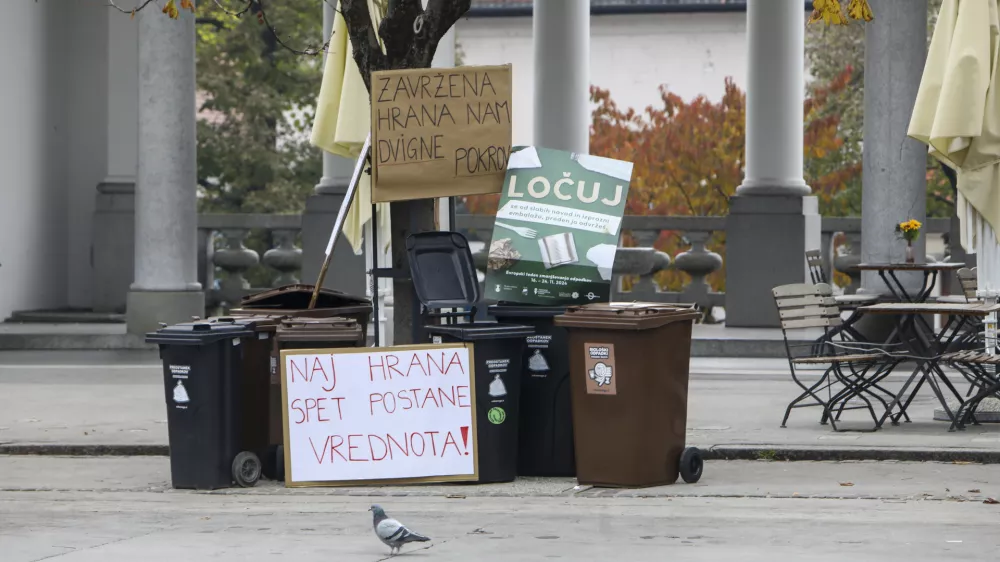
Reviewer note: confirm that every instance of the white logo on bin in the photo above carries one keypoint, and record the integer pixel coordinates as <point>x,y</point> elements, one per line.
<point>601,374</point>
<point>181,393</point>
<point>497,388</point>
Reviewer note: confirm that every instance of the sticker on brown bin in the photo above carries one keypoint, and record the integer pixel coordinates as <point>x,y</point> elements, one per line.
<point>600,366</point>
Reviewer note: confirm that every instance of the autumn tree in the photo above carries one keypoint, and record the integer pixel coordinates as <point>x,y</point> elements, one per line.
<point>832,50</point>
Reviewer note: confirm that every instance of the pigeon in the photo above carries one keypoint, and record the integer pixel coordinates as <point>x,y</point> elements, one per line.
<point>391,532</point>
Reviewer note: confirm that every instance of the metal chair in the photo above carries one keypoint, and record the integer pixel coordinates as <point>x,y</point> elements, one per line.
<point>846,303</point>
<point>856,366</point>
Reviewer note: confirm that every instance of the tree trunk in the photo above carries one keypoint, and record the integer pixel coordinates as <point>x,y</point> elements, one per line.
<point>408,217</point>
<point>406,46</point>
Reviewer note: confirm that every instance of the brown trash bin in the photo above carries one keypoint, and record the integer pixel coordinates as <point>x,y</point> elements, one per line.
<point>303,333</point>
<point>629,367</point>
<point>255,382</point>
<point>293,300</point>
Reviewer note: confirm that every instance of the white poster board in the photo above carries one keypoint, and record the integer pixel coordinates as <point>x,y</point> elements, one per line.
<point>379,415</point>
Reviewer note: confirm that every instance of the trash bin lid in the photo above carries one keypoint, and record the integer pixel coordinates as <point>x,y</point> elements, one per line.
<point>443,273</point>
<point>512,310</point>
<point>295,297</point>
<point>319,329</point>
<point>198,333</point>
<point>481,331</point>
<point>626,316</point>
<point>261,323</point>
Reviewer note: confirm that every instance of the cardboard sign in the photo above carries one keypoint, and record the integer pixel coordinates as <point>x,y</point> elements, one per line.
<point>379,415</point>
<point>440,132</point>
<point>556,231</point>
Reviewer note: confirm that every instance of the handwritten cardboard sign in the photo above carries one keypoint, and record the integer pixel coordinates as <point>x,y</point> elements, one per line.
<point>440,132</point>
<point>385,415</point>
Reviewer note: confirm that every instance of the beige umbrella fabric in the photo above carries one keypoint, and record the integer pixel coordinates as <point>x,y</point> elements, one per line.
<point>343,121</point>
<point>957,115</point>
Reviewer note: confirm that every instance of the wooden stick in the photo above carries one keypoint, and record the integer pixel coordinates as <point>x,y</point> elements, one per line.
<point>341,217</point>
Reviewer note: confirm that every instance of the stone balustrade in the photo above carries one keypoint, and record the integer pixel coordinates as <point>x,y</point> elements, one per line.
<point>226,264</point>
<point>240,254</point>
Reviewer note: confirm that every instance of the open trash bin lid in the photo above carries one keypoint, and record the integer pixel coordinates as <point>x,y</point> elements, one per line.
<point>297,297</point>
<point>626,316</point>
<point>444,275</point>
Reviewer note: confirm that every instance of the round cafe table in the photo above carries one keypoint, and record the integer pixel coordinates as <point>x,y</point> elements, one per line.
<point>888,271</point>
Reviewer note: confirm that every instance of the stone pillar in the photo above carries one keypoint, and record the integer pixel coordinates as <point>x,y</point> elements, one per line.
<point>772,219</point>
<point>166,220</point>
<point>894,173</point>
<point>114,213</point>
<point>561,33</point>
<point>347,272</point>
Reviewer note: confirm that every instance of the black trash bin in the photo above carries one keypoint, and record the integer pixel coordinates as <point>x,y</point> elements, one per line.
<point>497,349</point>
<point>545,438</point>
<point>445,281</point>
<point>202,364</point>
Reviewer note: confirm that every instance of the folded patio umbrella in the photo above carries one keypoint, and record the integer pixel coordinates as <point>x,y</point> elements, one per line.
<point>957,114</point>
<point>343,121</point>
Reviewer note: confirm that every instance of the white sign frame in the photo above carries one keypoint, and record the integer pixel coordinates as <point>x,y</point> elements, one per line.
<point>411,417</point>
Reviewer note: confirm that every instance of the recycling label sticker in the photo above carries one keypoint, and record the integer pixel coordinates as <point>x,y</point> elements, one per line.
<point>599,363</point>
<point>496,416</point>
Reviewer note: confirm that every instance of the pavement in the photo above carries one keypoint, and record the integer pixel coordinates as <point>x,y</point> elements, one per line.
<point>112,402</point>
<point>97,509</point>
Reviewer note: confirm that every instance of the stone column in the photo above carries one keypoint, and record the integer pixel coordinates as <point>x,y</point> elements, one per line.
<point>561,33</point>
<point>772,219</point>
<point>114,213</point>
<point>347,272</point>
<point>894,173</point>
<point>166,220</point>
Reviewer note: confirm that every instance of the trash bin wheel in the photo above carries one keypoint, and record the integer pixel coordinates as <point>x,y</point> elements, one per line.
<point>691,465</point>
<point>279,471</point>
<point>246,469</point>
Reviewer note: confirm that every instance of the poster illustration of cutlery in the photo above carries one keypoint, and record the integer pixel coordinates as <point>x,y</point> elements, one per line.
<point>557,228</point>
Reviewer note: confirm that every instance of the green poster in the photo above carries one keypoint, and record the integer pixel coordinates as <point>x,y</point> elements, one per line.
<point>557,228</point>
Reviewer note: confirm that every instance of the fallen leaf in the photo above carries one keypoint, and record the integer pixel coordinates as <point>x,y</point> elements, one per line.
<point>961,462</point>
<point>974,491</point>
<point>847,484</point>
<point>991,501</point>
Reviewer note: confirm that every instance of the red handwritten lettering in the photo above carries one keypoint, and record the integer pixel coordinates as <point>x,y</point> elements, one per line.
<point>317,366</point>
<point>444,397</point>
<point>455,360</point>
<point>438,366</point>
<point>404,449</point>
<point>372,366</point>
<point>450,440</point>
<point>458,390</point>
<point>385,448</point>
<point>415,362</point>
<point>336,448</point>
<point>434,450</point>
<point>430,396</point>
<point>340,410</point>
<point>321,455</point>
<point>333,372</point>
<point>390,362</point>
<point>350,448</point>
<point>413,444</point>
<point>302,413</point>
<point>293,367</point>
